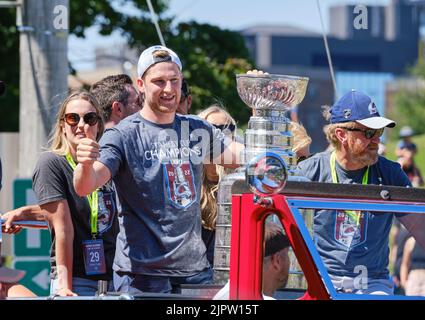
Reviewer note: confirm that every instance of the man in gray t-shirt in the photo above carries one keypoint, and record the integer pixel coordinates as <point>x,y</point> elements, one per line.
<point>350,241</point>
<point>156,159</point>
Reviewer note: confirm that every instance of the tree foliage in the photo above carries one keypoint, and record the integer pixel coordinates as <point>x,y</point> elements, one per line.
<point>410,103</point>
<point>211,56</point>
<point>9,71</point>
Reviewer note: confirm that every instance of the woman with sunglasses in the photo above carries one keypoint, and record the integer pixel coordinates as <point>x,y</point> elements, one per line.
<point>222,120</point>
<point>84,229</point>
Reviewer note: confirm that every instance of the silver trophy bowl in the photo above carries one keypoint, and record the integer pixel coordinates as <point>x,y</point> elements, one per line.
<point>268,155</point>
<point>278,92</point>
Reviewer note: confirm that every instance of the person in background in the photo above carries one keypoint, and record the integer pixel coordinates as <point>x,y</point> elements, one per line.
<point>407,163</point>
<point>406,133</point>
<point>412,269</point>
<point>405,151</point>
<point>117,98</point>
<point>222,120</point>
<point>398,238</point>
<point>275,263</point>
<point>185,100</point>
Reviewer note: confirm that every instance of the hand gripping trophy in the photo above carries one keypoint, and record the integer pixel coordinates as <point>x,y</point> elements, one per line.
<point>268,155</point>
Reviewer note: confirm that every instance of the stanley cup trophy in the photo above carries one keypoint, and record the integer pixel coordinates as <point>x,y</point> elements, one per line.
<point>268,156</point>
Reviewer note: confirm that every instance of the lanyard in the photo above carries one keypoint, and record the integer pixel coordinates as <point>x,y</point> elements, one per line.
<point>353,214</point>
<point>93,200</point>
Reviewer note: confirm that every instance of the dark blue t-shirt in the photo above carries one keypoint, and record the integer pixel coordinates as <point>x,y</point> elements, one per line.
<point>346,240</point>
<point>158,170</point>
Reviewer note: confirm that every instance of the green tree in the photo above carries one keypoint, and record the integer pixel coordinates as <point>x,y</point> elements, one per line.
<point>9,71</point>
<point>409,104</point>
<point>211,56</point>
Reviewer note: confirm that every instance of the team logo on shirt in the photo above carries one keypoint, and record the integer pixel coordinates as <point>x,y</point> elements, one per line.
<point>180,184</point>
<point>350,227</point>
<point>106,211</point>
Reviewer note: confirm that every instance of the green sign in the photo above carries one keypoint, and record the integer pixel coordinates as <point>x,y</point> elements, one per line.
<point>37,277</point>
<point>29,242</point>
<point>31,247</point>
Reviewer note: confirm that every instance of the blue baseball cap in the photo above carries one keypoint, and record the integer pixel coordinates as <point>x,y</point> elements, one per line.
<point>148,59</point>
<point>357,106</point>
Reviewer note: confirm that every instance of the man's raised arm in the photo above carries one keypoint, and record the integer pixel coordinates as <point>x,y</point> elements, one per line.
<point>89,174</point>
<point>231,157</point>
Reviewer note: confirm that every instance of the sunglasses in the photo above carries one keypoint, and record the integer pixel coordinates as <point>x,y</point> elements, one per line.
<point>368,133</point>
<point>222,127</point>
<point>73,119</point>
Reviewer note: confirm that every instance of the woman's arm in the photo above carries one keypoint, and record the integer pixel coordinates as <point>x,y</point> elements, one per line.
<point>31,213</point>
<point>59,218</point>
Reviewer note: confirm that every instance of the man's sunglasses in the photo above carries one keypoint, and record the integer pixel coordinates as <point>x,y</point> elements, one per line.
<point>368,133</point>
<point>73,119</point>
<point>222,127</point>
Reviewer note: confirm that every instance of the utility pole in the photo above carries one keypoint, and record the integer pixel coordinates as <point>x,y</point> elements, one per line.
<point>43,26</point>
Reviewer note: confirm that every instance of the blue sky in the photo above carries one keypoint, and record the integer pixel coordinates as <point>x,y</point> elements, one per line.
<point>230,14</point>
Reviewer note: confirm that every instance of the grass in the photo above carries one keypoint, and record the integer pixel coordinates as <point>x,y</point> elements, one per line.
<point>420,156</point>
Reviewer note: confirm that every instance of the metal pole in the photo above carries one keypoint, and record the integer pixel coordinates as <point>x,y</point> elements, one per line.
<point>43,74</point>
<point>154,18</point>
<point>328,54</point>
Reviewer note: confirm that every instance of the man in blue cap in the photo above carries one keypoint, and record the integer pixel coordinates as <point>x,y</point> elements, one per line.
<point>353,244</point>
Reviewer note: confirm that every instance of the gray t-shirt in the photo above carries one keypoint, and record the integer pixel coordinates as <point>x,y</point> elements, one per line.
<point>346,241</point>
<point>52,181</point>
<point>157,170</point>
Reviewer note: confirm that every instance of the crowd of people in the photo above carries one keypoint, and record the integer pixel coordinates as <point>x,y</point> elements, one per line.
<point>135,204</point>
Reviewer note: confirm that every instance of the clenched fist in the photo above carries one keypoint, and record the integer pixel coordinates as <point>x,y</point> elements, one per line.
<point>87,149</point>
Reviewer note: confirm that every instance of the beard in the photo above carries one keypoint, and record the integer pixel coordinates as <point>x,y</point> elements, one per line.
<point>367,156</point>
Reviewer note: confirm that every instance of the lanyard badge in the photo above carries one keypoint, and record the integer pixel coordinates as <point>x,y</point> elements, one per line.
<point>94,257</point>
<point>93,250</point>
<point>354,215</point>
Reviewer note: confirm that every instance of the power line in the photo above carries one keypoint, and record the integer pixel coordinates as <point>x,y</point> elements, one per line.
<point>328,54</point>
<point>154,18</point>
